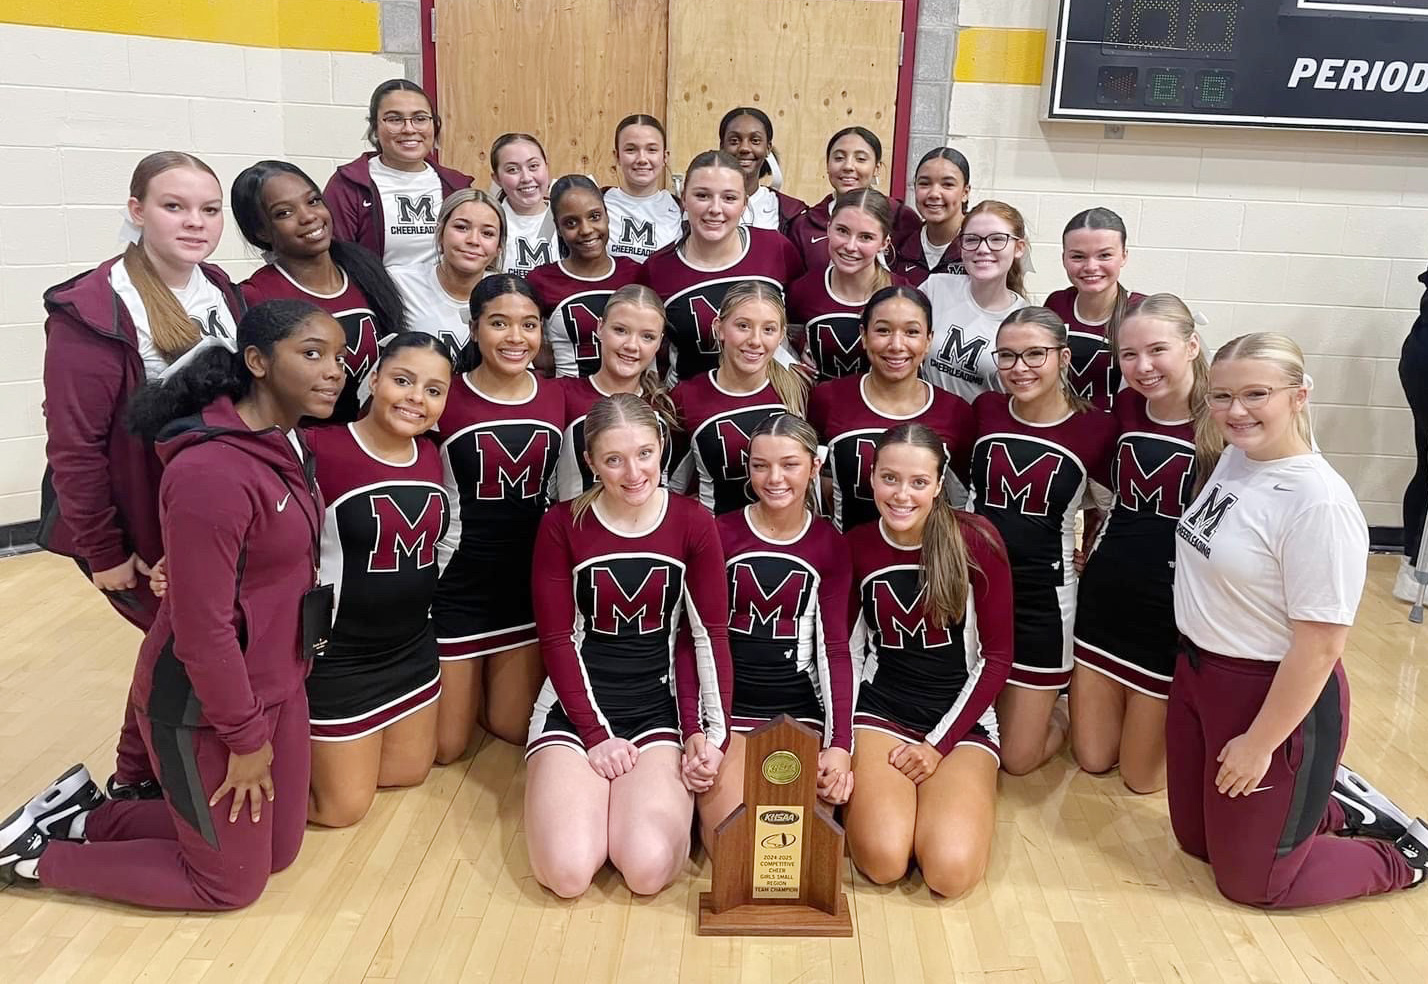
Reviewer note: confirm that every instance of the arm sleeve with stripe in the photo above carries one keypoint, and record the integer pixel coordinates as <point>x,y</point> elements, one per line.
<point>835,662</point>
<point>704,670</point>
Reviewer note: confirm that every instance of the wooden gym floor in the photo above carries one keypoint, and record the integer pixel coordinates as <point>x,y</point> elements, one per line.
<point>1085,882</point>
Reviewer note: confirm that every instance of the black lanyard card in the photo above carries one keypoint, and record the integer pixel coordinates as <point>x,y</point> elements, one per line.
<point>317,605</point>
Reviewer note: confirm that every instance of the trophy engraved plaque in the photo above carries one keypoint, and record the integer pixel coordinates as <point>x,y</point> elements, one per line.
<point>778,858</point>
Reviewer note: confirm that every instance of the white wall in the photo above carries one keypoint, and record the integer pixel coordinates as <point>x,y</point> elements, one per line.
<point>1320,235</point>
<point>79,109</point>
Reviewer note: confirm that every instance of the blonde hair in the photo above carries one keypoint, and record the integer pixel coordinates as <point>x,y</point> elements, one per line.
<point>1284,354</point>
<point>1016,276</point>
<point>461,197</point>
<point>173,332</point>
<point>1051,322</point>
<point>794,426</point>
<point>652,389</point>
<point>616,410</point>
<point>791,387</point>
<point>945,574</point>
<point>1209,442</point>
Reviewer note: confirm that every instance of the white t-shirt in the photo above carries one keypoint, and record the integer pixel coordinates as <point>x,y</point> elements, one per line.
<point>964,335</point>
<point>410,203</point>
<point>931,252</point>
<point>639,226</point>
<point>431,309</point>
<point>530,241</point>
<point>762,211</point>
<point>202,302</point>
<point>1263,543</point>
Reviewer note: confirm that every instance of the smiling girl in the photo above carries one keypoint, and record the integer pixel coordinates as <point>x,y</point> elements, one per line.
<point>943,184</point>
<point>746,134</point>
<point>573,290</point>
<point>519,167</point>
<point>643,216</point>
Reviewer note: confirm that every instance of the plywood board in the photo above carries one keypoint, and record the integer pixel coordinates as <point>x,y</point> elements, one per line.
<point>814,66</point>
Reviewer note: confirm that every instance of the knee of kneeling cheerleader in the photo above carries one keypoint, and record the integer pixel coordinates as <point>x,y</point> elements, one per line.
<point>403,776</point>
<point>1014,764</point>
<point>951,874</point>
<point>1234,886</point>
<point>880,866</point>
<point>649,875</point>
<point>337,811</point>
<point>238,889</point>
<point>449,751</point>
<point>565,882</point>
<point>1094,761</point>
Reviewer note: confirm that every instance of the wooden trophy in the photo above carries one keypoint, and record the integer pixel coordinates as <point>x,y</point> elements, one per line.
<point>778,858</point>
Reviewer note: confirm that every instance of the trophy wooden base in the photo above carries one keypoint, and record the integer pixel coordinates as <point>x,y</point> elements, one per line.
<point>773,919</point>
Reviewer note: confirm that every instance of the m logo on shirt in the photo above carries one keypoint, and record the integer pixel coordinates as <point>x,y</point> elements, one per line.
<point>1197,528</point>
<point>399,536</point>
<point>362,349</point>
<point>776,610</point>
<point>633,232</point>
<point>958,357</point>
<point>531,254</point>
<point>1028,485</point>
<point>837,346</point>
<point>1163,487</point>
<point>505,473</point>
<point>211,326</point>
<point>411,210</point>
<point>643,608</point>
<point>900,624</point>
<point>580,324</point>
<point>1090,374</point>
<point>703,311</point>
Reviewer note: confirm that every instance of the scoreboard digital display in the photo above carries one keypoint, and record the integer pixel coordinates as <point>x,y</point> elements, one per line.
<point>1317,64</point>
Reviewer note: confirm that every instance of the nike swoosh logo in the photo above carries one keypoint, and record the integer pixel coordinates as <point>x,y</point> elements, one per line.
<point>283,503</point>
<point>1369,816</point>
<point>1281,488</point>
<point>818,239</point>
<point>366,204</point>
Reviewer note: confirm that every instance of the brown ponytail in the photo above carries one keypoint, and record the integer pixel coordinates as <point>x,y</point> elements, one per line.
<point>791,386</point>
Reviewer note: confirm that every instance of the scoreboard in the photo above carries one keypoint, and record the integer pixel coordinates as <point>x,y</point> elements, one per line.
<point>1317,64</point>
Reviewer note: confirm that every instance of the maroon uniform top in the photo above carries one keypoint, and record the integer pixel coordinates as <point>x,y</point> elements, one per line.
<point>809,231</point>
<point>353,311</point>
<point>573,306</point>
<point>356,205</point>
<point>832,341</point>
<point>910,259</point>
<point>692,296</point>
<point>717,424</point>
<point>1095,370</point>
<point>572,474</point>
<point>850,427</point>
<point>940,679</point>
<point>788,616</point>
<point>610,605</point>
<point>1029,479</point>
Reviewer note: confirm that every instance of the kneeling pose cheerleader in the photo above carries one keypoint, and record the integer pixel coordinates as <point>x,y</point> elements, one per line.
<point>218,690</point>
<point>932,647</point>
<point>631,603</point>
<point>1038,451</point>
<point>500,440</point>
<point>372,694</point>
<point>789,581</point>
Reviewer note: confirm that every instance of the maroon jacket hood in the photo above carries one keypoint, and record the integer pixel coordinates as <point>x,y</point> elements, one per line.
<point>89,300</point>
<point>359,172</point>
<point>219,422</point>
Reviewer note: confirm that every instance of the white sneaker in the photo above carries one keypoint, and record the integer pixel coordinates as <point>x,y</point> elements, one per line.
<point>1405,586</point>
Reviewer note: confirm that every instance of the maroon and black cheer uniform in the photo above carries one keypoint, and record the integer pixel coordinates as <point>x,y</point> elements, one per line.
<point>1095,370</point>
<point>718,424</point>
<point>573,306</point>
<point>809,230</point>
<point>832,339</point>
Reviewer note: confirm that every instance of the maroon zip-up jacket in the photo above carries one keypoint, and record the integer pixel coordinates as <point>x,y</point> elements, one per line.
<point>99,500</point>
<point>226,645</point>
<point>356,206</point>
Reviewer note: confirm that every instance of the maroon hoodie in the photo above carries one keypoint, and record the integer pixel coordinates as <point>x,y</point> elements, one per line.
<point>227,641</point>
<point>910,260</point>
<point>809,230</point>
<point>356,206</point>
<point>99,498</point>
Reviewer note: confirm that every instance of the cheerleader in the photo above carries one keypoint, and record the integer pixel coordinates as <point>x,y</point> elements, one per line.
<point>470,237</point>
<point>1125,641</point>
<point>281,213</point>
<point>746,134</point>
<point>941,188</point>
<point>932,646</point>
<point>643,216</point>
<point>573,290</point>
<point>630,334</point>
<point>500,439</point>
<point>1037,453</point>
<point>968,310</point>
<point>520,169</point>
<point>218,688</point>
<point>1093,251</point>
<point>139,316</point>
<point>386,200</point>
<point>855,157</point>
<point>828,303</point>
<point>714,254</point>
<point>720,409</point>
<point>631,605</point>
<point>372,694</point>
<point>852,413</point>
<point>789,580</point>
<point>1270,561</point>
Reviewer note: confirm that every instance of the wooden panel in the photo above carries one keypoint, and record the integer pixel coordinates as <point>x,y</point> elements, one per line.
<point>814,66</point>
<point>567,72</point>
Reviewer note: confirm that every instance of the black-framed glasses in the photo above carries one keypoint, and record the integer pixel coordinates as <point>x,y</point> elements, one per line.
<point>419,121</point>
<point>1034,357</point>
<point>996,242</point>
<point>1251,398</point>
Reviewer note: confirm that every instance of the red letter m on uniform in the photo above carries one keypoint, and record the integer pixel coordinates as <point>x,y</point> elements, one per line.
<point>397,535</point>
<point>644,607</point>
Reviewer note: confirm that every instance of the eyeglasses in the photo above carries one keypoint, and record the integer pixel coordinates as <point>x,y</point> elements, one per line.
<point>1250,399</point>
<point>996,242</point>
<point>1034,357</point>
<point>419,121</point>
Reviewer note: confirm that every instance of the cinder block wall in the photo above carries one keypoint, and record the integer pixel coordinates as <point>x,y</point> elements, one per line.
<point>1320,235</point>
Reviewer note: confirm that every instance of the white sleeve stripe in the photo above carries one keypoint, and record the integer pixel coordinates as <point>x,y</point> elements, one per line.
<point>710,700</point>
<point>973,647</point>
<point>577,637</point>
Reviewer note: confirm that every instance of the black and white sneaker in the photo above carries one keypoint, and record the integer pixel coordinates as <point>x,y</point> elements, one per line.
<point>1367,812</point>
<point>146,789</point>
<point>1413,845</point>
<point>65,799</point>
<point>20,841</point>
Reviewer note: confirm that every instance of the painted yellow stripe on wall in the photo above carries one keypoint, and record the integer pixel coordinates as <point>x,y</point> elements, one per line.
<point>323,25</point>
<point>999,54</point>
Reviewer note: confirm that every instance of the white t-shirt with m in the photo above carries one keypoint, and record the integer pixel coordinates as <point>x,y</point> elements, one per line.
<point>205,306</point>
<point>964,336</point>
<point>431,309</point>
<point>1263,543</point>
<point>530,241</point>
<point>410,203</point>
<point>639,226</point>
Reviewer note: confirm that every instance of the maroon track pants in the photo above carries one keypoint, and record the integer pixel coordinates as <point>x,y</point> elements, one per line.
<point>177,852</point>
<point>1273,847</point>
